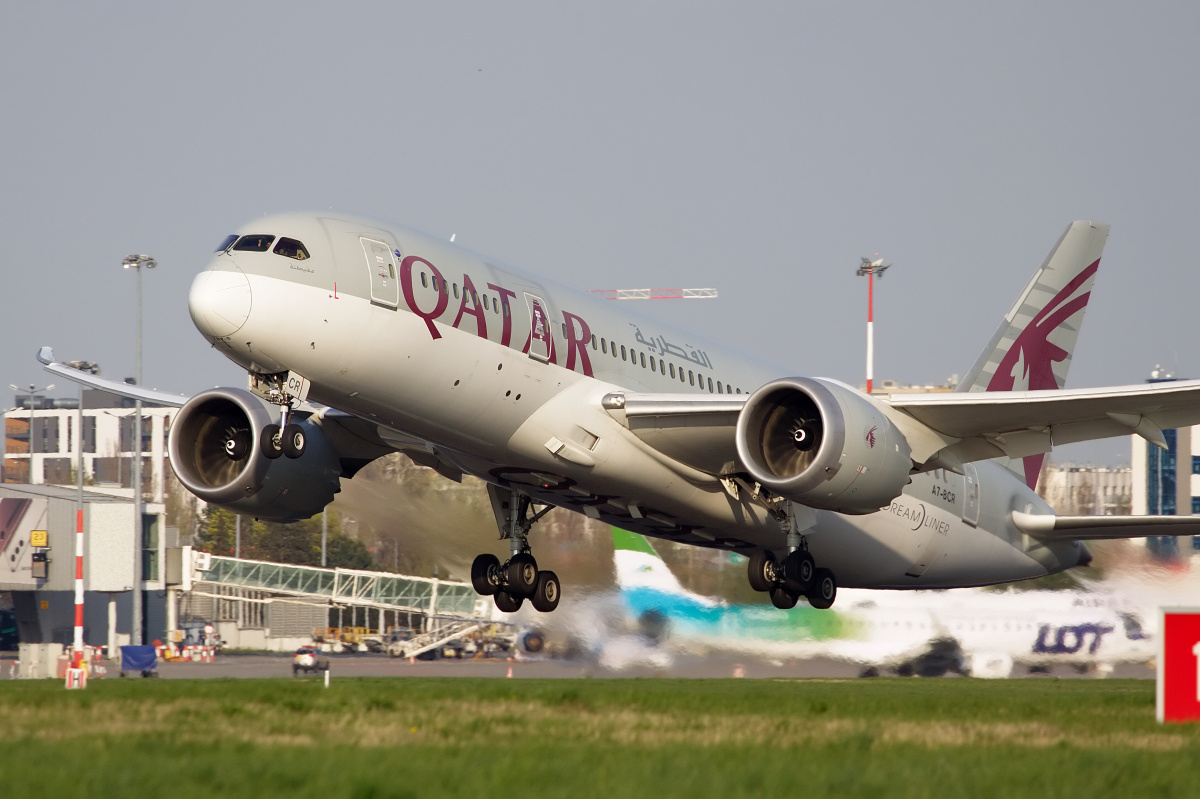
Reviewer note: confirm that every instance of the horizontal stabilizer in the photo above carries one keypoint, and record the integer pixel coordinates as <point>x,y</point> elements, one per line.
<point>1091,528</point>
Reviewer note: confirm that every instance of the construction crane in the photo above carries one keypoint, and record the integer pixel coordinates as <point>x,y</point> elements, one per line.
<point>656,294</point>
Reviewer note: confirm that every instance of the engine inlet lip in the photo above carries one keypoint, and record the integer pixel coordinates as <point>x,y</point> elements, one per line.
<point>749,435</point>
<point>182,445</point>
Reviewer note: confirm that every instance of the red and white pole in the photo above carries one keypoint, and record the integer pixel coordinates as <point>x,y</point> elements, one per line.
<point>78,585</point>
<point>870,268</point>
<point>870,329</point>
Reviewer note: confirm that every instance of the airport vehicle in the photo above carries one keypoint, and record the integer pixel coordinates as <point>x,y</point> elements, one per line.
<point>925,633</point>
<point>362,338</point>
<point>309,660</point>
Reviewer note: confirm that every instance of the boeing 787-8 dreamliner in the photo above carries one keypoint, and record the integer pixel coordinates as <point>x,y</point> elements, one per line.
<point>361,338</point>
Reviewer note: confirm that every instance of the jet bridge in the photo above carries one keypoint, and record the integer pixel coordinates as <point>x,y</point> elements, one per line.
<point>258,604</point>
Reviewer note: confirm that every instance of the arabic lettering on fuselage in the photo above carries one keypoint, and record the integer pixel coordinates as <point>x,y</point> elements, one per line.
<point>578,334</point>
<point>664,348</point>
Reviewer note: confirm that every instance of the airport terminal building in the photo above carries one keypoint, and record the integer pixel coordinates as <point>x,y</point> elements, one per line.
<point>46,439</point>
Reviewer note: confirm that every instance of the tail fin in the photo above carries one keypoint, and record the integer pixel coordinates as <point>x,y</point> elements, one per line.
<point>1032,348</point>
<point>639,566</point>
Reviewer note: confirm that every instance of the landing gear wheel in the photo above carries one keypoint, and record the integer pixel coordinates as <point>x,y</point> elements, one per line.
<point>761,570</point>
<point>481,570</point>
<point>522,574</point>
<point>292,441</point>
<point>798,569</point>
<point>783,598</point>
<point>270,441</point>
<point>507,603</point>
<point>823,591</point>
<point>547,592</point>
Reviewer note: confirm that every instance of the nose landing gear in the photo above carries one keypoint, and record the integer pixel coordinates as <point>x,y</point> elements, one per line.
<point>286,438</point>
<point>519,578</point>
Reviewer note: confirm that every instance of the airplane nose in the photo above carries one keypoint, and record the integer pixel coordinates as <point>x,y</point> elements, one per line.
<point>219,301</point>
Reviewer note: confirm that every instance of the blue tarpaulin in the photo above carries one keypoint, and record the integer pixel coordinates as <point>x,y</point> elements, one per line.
<point>138,658</point>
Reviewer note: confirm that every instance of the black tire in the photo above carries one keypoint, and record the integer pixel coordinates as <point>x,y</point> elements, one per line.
<point>824,590</point>
<point>761,560</point>
<point>798,572</point>
<point>783,598</point>
<point>522,574</point>
<point>295,670</point>
<point>506,602</point>
<point>547,592</point>
<point>481,569</point>
<point>270,441</point>
<point>292,441</point>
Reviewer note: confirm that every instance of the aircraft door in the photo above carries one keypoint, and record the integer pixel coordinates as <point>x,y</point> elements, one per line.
<point>970,513</point>
<point>381,262</point>
<point>541,341</point>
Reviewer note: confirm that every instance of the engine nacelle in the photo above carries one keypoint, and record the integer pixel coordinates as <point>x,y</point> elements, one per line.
<point>214,450</point>
<point>822,444</point>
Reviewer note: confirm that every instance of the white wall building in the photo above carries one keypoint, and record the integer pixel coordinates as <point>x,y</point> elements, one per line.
<point>1074,490</point>
<point>103,430</point>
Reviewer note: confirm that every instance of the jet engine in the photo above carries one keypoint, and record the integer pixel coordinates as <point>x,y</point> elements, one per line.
<point>214,450</point>
<point>822,444</point>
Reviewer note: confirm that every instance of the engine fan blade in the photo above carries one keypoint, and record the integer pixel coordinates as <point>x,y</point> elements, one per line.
<point>791,436</point>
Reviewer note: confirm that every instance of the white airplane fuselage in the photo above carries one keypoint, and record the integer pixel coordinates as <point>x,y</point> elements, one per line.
<point>462,367</point>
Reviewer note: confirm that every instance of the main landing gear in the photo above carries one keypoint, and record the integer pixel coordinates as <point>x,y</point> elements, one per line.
<point>519,578</point>
<point>795,576</point>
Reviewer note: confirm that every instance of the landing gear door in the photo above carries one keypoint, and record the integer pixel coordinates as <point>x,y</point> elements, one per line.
<point>381,262</point>
<point>971,500</point>
<point>541,341</point>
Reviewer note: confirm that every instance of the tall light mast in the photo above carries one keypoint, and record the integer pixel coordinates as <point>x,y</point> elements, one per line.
<point>870,269</point>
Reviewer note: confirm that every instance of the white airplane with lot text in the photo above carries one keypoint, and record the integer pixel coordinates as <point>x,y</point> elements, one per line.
<point>363,338</point>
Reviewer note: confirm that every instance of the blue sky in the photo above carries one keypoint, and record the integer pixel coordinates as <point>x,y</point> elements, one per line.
<point>760,148</point>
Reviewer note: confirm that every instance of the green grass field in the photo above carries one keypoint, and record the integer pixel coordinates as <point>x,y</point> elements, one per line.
<point>473,737</point>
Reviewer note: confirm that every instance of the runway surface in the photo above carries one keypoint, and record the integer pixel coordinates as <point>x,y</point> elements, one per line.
<point>251,666</point>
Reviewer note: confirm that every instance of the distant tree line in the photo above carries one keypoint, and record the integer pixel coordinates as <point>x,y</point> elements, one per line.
<point>297,543</point>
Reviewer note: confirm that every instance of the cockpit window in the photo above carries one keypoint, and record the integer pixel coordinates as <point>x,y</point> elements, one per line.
<point>230,239</point>
<point>291,248</point>
<point>256,242</point>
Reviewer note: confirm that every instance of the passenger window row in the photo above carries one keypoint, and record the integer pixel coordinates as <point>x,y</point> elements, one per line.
<point>688,376</point>
<point>488,303</point>
<point>630,355</point>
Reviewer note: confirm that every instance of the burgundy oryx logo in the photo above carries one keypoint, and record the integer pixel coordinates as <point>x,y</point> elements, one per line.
<point>869,437</point>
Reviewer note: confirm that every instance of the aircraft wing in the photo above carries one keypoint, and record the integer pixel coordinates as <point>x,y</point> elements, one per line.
<point>980,425</point>
<point>950,429</point>
<point>696,429</point>
<point>1049,528</point>
<point>46,357</point>
<point>357,441</point>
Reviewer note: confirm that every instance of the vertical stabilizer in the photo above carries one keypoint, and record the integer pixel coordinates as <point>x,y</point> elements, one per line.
<point>639,566</point>
<point>1032,348</point>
